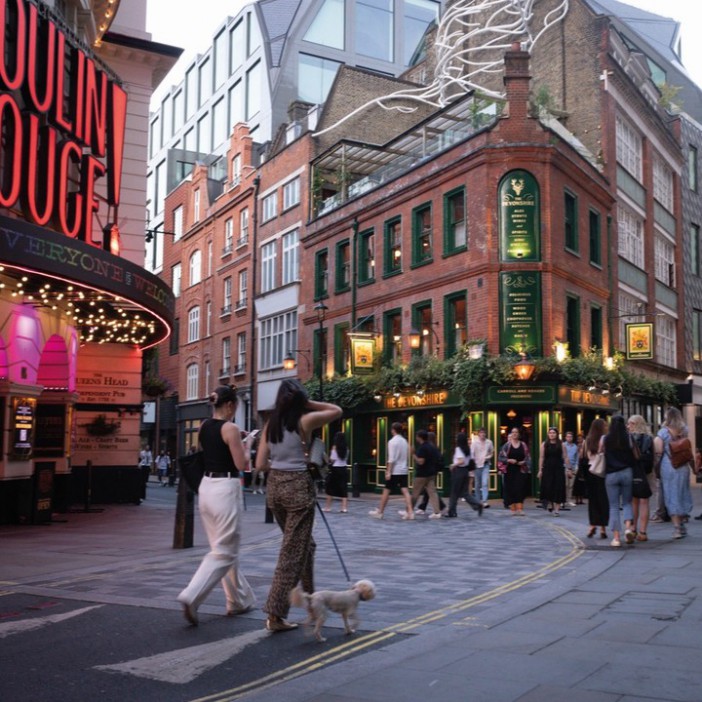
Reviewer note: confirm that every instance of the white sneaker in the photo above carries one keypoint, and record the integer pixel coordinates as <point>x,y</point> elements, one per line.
<point>435,515</point>
<point>402,513</point>
<point>376,513</point>
<point>571,504</point>
<point>419,511</point>
<point>408,517</point>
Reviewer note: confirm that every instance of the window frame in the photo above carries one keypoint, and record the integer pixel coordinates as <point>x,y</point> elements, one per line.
<point>291,187</point>
<point>321,274</point>
<point>420,233</point>
<point>595,237</point>
<point>392,348</point>
<point>450,245</point>
<point>269,207</point>
<point>366,257</point>
<point>570,222</point>
<point>392,264</point>
<point>193,324</point>
<point>572,326</point>
<point>291,257</point>
<point>342,268</point>
<point>451,345</point>
<point>269,253</point>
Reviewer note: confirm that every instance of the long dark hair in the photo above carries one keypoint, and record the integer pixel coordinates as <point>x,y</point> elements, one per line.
<point>290,404</point>
<point>598,429</point>
<point>462,443</point>
<point>617,436</point>
<point>339,444</point>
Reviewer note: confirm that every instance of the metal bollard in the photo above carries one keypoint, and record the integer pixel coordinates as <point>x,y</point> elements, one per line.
<point>355,480</point>
<point>185,517</point>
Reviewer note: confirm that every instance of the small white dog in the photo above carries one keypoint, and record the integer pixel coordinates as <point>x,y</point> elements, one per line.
<point>319,603</point>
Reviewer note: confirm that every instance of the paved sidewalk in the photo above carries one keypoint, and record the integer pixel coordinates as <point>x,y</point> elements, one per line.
<point>497,609</point>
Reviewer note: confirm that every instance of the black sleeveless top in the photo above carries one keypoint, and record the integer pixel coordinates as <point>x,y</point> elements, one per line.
<point>218,457</point>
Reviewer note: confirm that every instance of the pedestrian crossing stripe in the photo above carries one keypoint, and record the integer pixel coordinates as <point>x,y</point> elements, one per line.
<point>185,664</point>
<point>18,627</point>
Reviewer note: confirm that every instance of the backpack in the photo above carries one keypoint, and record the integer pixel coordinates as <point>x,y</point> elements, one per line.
<point>680,451</point>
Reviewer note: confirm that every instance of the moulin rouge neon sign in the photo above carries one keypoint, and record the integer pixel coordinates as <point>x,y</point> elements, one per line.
<point>62,122</point>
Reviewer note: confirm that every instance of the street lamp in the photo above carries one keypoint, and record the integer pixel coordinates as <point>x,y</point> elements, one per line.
<point>321,309</point>
<point>415,337</point>
<point>289,362</point>
<point>524,367</point>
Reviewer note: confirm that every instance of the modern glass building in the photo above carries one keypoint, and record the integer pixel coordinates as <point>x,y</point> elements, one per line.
<point>271,54</point>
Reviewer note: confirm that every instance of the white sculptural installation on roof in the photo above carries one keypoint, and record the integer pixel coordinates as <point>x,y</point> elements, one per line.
<point>471,40</point>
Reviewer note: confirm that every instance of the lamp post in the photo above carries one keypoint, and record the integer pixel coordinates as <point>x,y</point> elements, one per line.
<point>415,337</point>
<point>321,310</point>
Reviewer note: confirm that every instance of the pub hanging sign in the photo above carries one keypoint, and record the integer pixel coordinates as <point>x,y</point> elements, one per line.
<point>362,354</point>
<point>639,341</point>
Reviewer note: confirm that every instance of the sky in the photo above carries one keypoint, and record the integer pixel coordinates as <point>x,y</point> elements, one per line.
<point>192,25</point>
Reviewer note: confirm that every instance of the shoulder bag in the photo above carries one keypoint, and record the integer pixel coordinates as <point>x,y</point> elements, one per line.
<point>192,468</point>
<point>597,464</point>
<point>315,456</point>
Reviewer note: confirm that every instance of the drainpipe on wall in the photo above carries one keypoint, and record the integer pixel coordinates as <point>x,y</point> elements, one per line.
<point>610,274</point>
<point>354,263</point>
<point>253,406</point>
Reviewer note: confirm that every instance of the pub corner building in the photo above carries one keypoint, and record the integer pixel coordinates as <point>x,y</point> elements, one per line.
<point>76,309</point>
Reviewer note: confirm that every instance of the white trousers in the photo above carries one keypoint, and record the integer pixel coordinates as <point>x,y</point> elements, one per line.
<point>220,501</point>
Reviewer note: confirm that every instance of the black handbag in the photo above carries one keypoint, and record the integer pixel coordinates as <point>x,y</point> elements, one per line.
<point>192,468</point>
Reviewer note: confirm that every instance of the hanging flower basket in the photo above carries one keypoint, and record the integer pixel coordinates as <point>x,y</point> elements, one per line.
<point>154,386</point>
<point>101,426</point>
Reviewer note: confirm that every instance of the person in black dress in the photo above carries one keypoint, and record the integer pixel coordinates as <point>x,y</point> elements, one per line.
<point>597,502</point>
<point>552,472</point>
<point>514,462</point>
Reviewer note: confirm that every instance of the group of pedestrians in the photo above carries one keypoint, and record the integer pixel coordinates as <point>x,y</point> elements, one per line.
<point>638,468</point>
<point>469,460</point>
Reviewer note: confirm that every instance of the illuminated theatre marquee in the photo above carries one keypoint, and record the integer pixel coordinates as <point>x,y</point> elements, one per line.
<point>62,121</point>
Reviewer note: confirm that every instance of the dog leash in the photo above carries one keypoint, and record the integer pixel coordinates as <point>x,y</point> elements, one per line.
<point>338,553</point>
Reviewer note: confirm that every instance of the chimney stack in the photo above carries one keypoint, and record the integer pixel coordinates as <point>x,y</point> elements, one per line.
<point>516,80</point>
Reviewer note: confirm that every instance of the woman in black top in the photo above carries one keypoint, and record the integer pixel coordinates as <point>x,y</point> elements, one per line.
<point>220,504</point>
<point>619,461</point>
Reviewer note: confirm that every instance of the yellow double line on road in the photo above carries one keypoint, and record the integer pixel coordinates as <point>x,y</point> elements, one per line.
<point>361,643</point>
